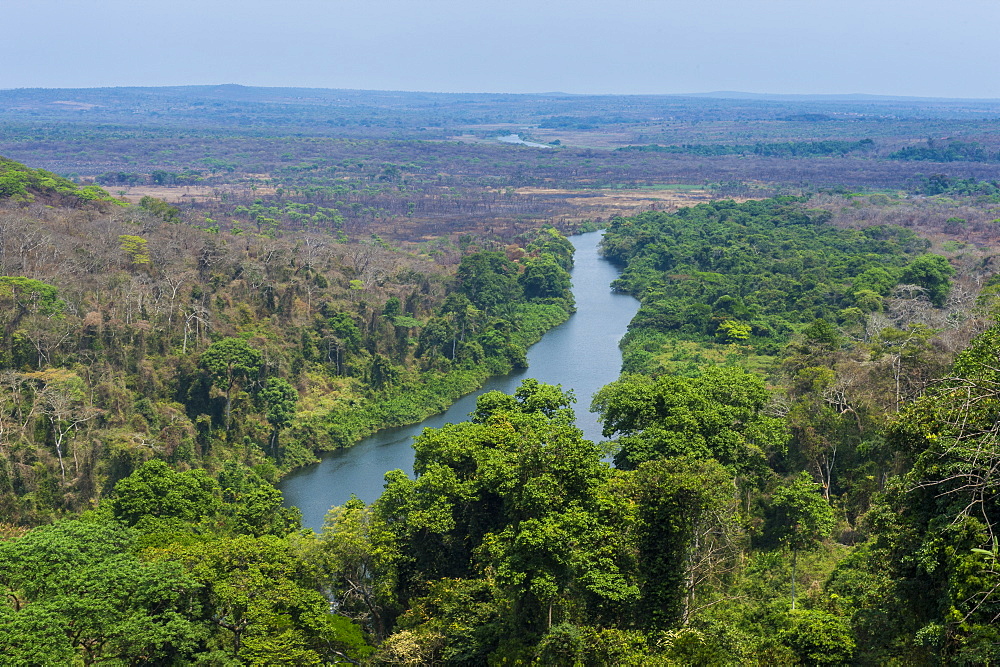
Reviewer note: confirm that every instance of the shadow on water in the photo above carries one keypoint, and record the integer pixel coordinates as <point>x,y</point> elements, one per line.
<point>581,355</point>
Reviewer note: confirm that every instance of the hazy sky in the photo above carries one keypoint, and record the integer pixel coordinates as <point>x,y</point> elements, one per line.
<point>913,47</point>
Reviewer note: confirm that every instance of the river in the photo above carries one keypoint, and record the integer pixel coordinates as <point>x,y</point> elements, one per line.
<point>581,354</point>
<point>516,139</point>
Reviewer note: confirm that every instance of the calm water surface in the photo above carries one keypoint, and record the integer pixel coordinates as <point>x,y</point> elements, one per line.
<point>516,139</point>
<point>582,355</point>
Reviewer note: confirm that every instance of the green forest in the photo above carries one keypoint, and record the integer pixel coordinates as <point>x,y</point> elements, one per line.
<point>800,464</point>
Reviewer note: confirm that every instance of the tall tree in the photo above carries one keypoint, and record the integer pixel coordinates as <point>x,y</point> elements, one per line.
<point>801,517</point>
<point>489,280</point>
<point>229,362</point>
<point>75,592</point>
<point>280,398</point>
<point>720,415</point>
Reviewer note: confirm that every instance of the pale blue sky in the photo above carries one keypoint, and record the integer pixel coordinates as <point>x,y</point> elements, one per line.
<point>890,47</point>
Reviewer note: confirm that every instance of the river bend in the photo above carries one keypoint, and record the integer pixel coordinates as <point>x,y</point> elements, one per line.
<point>581,354</point>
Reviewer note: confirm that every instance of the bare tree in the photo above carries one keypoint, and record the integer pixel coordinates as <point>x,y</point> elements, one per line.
<point>61,399</point>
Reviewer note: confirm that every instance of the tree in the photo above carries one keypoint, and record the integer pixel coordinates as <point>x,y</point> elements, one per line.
<point>731,331</point>
<point>160,208</point>
<point>933,273</point>
<point>549,241</point>
<point>357,556</point>
<point>685,534</point>
<point>801,517</point>
<point>544,280</point>
<point>252,505</point>
<point>75,591</point>
<point>280,398</point>
<point>258,591</point>
<point>22,297</point>
<point>341,333</point>
<point>907,351</point>
<point>157,490</point>
<point>135,248</point>
<point>932,552</point>
<point>60,397</point>
<point>437,338</point>
<point>819,638</point>
<point>229,362</point>
<point>514,492</point>
<point>720,415</point>
<point>489,280</point>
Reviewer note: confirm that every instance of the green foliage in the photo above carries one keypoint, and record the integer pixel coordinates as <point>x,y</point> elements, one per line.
<point>135,248</point>
<point>280,399</point>
<point>545,280</point>
<point>22,184</point>
<point>732,331</point>
<point>263,604</point>
<point>357,553</point>
<point>73,591</point>
<point>506,492</point>
<point>933,273</point>
<point>942,184</point>
<point>27,295</point>
<point>951,152</point>
<point>720,415</point>
<point>548,241</point>
<point>160,209</point>
<point>562,645</point>
<point>229,362</point>
<point>801,516</point>
<point>476,545</point>
<point>819,638</point>
<point>251,505</point>
<point>489,280</point>
<point>677,499</point>
<point>156,490</point>
<point>926,585</point>
<point>768,264</point>
<point>456,622</point>
<point>174,588</point>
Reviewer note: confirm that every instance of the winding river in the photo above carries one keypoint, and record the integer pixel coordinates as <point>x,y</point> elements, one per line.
<point>582,354</point>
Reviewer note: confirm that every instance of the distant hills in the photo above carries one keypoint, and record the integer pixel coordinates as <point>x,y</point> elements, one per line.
<point>848,97</point>
<point>235,91</point>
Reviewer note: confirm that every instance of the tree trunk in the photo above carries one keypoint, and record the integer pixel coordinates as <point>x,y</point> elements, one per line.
<point>795,553</point>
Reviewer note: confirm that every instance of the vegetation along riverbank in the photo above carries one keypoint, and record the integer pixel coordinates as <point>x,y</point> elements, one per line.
<point>804,432</point>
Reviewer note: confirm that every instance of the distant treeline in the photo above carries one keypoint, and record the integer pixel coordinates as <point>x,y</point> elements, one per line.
<point>582,122</point>
<point>156,177</point>
<point>953,151</point>
<point>941,184</point>
<point>780,149</point>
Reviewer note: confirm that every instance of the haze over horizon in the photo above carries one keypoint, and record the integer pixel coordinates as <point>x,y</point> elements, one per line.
<point>773,47</point>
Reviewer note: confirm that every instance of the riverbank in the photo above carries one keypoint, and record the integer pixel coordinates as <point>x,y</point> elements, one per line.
<point>419,396</point>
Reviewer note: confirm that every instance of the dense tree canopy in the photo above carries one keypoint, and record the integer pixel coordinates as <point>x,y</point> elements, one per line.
<point>168,373</point>
<point>720,415</point>
<point>771,265</point>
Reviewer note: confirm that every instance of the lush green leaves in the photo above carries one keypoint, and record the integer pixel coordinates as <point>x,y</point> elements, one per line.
<point>23,184</point>
<point>801,516</point>
<point>73,588</point>
<point>768,264</point>
<point>720,415</point>
<point>156,490</point>
<point>489,280</point>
